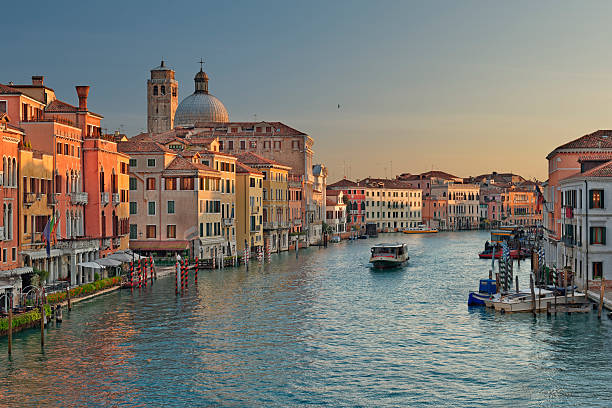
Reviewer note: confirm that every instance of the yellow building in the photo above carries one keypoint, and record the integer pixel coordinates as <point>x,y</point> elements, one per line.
<point>275,192</point>
<point>36,201</point>
<point>249,208</point>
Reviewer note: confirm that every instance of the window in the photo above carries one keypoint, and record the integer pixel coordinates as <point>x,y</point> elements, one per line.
<point>155,90</point>
<point>597,270</point>
<point>171,231</point>
<point>253,144</point>
<point>151,162</point>
<point>2,106</point>
<point>133,207</point>
<point>163,89</point>
<point>150,183</point>
<point>252,182</point>
<point>596,199</point>
<point>598,236</point>
<point>133,231</point>
<point>170,183</point>
<point>151,207</point>
<point>133,183</point>
<point>133,162</point>
<point>187,183</point>
<point>230,145</point>
<point>151,231</point>
<point>170,207</point>
<point>242,145</point>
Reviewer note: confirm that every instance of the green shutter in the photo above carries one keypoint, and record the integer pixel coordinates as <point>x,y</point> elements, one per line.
<point>590,198</point>
<point>602,203</point>
<point>603,235</point>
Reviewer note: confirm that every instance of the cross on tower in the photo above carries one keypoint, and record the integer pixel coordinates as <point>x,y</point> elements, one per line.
<point>201,63</point>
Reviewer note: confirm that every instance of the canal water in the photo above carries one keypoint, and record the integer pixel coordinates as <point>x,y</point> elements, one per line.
<point>321,330</point>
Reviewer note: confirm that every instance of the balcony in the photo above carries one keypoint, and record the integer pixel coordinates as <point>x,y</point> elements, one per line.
<point>29,199</point>
<point>569,241</point>
<point>255,210</point>
<point>228,222</point>
<point>104,199</point>
<point>1,233</point>
<point>51,199</point>
<point>116,199</point>
<point>78,198</point>
<point>284,224</point>
<point>342,220</point>
<point>297,222</point>
<point>270,225</point>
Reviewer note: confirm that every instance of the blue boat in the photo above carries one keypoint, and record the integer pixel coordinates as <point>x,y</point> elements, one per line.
<point>486,288</point>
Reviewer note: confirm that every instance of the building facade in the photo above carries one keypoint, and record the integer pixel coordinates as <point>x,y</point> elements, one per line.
<point>162,99</point>
<point>393,205</point>
<point>249,208</point>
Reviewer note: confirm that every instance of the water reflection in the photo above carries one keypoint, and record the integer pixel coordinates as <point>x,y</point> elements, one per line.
<point>322,329</point>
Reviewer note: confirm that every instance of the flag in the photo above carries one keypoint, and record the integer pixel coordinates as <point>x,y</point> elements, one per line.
<point>540,199</point>
<point>46,235</point>
<point>53,228</point>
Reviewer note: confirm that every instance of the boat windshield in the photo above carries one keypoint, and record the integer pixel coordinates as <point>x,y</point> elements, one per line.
<point>387,251</point>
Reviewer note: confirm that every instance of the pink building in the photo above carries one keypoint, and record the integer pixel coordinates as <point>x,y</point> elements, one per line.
<point>354,197</point>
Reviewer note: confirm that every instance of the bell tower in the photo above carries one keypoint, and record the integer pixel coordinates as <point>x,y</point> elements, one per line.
<point>162,99</point>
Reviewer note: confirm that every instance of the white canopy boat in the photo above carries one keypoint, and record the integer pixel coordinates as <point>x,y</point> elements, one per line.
<point>522,301</point>
<point>389,255</point>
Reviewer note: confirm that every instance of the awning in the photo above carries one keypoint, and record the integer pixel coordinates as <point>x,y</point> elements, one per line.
<point>159,245</point>
<point>121,257</point>
<point>107,262</point>
<point>91,265</point>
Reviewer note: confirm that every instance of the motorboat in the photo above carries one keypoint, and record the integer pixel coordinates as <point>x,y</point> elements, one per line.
<point>486,289</point>
<point>335,239</point>
<point>488,254</point>
<point>420,229</point>
<point>522,301</point>
<point>389,255</point>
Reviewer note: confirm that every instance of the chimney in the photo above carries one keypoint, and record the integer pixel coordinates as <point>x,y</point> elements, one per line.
<point>82,92</point>
<point>38,80</point>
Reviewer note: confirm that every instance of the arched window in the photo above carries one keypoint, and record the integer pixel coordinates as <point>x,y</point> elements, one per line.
<point>9,176</point>
<point>101,180</point>
<point>163,90</point>
<point>14,179</point>
<point>4,171</point>
<point>155,90</point>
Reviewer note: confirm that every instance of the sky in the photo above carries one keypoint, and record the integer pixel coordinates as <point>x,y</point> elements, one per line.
<point>467,87</point>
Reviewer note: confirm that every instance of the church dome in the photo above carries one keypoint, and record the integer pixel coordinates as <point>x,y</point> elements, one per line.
<point>200,106</point>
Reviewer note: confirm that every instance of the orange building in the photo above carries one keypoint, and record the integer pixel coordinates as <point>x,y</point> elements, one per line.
<point>10,272</point>
<point>66,131</point>
<point>521,207</point>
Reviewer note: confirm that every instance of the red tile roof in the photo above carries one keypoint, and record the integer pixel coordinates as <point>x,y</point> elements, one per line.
<point>384,183</point>
<point>600,139</point>
<point>222,129</point>
<point>6,89</point>
<point>180,163</point>
<point>243,168</point>
<point>604,170</point>
<point>343,183</point>
<point>333,192</point>
<point>59,106</point>
<point>253,158</point>
<point>143,146</point>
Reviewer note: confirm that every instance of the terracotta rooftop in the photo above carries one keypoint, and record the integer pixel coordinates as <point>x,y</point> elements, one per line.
<point>278,128</point>
<point>180,163</point>
<point>142,146</point>
<point>332,202</point>
<point>600,139</point>
<point>59,106</point>
<point>604,170</point>
<point>384,183</point>
<point>243,168</point>
<point>333,192</point>
<point>7,89</point>
<point>343,183</point>
<point>253,158</point>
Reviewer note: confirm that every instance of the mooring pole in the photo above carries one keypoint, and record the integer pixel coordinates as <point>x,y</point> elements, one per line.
<point>10,325</point>
<point>42,324</point>
<point>69,302</point>
<point>533,298</point>
<point>197,266</point>
<point>602,293</point>
<point>517,285</point>
<point>176,267</point>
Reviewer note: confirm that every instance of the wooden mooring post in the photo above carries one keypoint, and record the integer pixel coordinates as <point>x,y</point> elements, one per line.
<point>69,302</point>
<point>517,285</point>
<point>10,326</point>
<point>42,324</point>
<point>533,298</point>
<point>602,293</point>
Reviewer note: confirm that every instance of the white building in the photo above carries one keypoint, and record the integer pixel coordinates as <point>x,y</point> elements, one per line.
<point>462,209</point>
<point>335,211</point>
<point>585,218</point>
<point>393,205</point>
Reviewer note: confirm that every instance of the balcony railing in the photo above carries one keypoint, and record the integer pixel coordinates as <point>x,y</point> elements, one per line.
<point>270,225</point>
<point>283,224</point>
<point>29,198</point>
<point>228,222</point>
<point>116,199</point>
<point>104,198</point>
<point>78,198</point>
<point>342,220</point>
<point>297,221</point>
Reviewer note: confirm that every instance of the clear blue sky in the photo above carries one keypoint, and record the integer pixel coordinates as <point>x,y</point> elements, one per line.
<point>464,86</point>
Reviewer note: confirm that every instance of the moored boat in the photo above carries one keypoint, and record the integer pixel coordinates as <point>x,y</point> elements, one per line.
<point>486,289</point>
<point>523,301</point>
<point>389,255</point>
<point>420,229</point>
